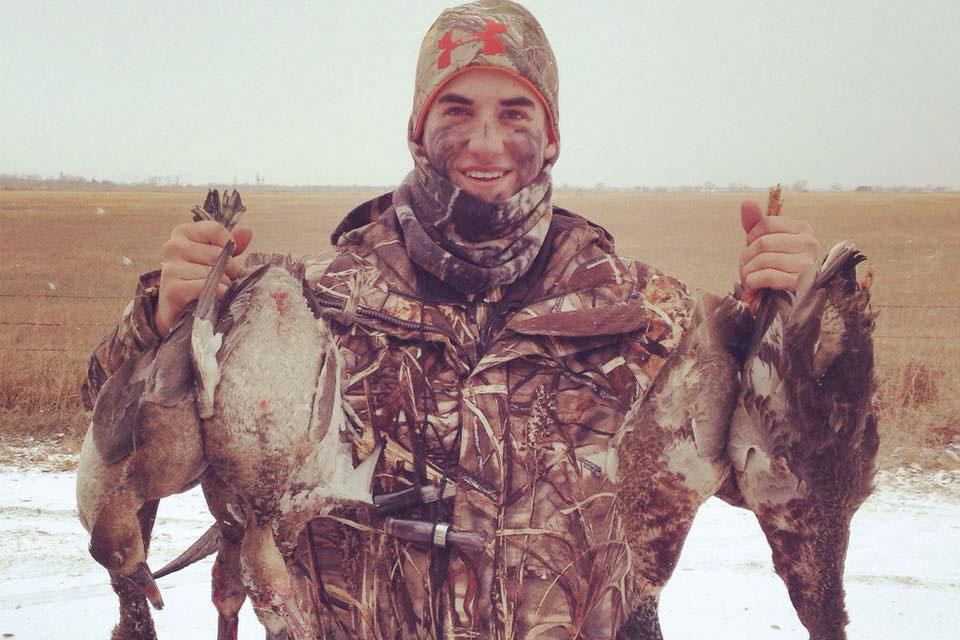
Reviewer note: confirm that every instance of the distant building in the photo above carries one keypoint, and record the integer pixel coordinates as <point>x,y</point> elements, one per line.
<point>864,188</point>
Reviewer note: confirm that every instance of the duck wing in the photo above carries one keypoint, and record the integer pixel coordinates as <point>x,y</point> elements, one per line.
<point>115,411</point>
<point>758,426</point>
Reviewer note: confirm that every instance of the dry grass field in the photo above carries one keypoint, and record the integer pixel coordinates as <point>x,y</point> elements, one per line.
<point>69,262</point>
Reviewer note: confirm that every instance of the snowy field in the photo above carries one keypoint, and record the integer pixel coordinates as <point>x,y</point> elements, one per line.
<point>902,577</point>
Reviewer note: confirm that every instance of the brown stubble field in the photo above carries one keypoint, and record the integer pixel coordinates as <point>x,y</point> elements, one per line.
<point>64,281</point>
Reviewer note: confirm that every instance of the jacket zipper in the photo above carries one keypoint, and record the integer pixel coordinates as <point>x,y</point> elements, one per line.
<point>366,312</point>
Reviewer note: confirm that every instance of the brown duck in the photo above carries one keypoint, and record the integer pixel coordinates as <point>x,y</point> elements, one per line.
<point>803,438</point>
<point>799,449</point>
<point>144,443</point>
<point>668,457</point>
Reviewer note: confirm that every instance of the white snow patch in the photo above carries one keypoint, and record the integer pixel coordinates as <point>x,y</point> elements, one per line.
<point>50,587</point>
<point>902,573</point>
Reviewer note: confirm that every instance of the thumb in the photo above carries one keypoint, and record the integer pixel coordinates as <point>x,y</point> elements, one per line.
<point>750,214</point>
<point>242,236</point>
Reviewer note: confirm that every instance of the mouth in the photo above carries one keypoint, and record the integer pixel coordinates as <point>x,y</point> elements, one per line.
<point>484,176</point>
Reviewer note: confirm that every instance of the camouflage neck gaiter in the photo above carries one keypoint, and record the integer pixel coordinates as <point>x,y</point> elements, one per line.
<point>469,243</point>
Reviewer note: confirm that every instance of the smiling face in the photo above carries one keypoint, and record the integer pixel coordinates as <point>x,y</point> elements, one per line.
<point>487,132</point>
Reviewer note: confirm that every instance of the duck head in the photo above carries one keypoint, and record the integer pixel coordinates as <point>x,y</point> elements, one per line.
<point>117,544</point>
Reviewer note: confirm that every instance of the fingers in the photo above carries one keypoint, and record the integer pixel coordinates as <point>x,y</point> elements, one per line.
<point>777,224</point>
<point>791,263</point>
<point>780,243</point>
<point>201,243</point>
<point>778,250</point>
<point>205,231</point>
<point>186,259</point>
<point>214,233</point>
<point>186,291</point>
<point>770,279</point>
<point>750,215</point>
<point>242,236</point>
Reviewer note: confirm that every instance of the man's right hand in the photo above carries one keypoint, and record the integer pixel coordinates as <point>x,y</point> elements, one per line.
<point>186,259</point>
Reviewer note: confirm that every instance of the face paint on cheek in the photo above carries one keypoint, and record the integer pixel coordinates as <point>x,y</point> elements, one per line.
<point>442,144</point>
<point>526,148</point>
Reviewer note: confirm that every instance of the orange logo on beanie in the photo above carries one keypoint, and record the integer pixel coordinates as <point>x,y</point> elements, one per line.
<point>491,44</point>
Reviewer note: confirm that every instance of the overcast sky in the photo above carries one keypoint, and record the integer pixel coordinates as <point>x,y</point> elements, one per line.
<point>651,92</point>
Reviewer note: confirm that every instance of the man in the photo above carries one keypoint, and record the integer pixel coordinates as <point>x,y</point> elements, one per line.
<point>474,320</point>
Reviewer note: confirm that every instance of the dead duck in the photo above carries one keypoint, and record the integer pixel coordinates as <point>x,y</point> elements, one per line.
<point>669,455</point>
<point>800,451</point>
<point>277,432</point>
<point>144,443</point>
<point>803,438</point>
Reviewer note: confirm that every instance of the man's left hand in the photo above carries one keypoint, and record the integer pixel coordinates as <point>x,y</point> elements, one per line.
<point>778,249</point>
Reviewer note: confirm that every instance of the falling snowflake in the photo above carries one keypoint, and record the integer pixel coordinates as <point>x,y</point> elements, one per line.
<point>51,286</point>
<point>126,261</point>
<point>101,211</point>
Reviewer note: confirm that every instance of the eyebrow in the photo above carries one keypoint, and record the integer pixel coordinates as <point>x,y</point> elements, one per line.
<point>456,98</point>
<point>517,102</point>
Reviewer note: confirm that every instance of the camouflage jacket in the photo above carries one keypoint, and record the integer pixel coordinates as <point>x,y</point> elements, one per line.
<point>511,397</point>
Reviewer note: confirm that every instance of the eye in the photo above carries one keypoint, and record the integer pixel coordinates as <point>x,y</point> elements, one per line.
<point>456,111</point>
<point>515,114</point>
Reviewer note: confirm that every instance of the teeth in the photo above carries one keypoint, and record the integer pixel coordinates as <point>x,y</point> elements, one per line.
<point>485,175</point>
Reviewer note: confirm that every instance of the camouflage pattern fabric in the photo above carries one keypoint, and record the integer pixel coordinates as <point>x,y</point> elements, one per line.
<point>469,243</point>
<point>466,242</point>
<point>512,397</point>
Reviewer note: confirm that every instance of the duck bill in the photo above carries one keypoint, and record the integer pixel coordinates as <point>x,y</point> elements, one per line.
<point>142,577</point>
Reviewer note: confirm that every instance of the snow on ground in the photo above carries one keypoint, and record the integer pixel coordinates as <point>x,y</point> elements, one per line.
<point>902,575</point>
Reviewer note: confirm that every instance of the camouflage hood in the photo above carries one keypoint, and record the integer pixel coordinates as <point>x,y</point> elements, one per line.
<point>471,244</point>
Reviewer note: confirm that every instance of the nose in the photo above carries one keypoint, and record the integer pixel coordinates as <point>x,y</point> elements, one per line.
<point>486,139</point>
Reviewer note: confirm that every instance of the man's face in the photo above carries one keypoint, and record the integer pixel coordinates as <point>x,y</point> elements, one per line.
<point>487,133</point>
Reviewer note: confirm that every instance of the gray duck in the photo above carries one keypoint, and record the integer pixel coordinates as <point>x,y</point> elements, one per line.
<point>276,435</point>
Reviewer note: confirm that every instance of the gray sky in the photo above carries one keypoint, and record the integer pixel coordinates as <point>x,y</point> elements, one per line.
<point>651,92</point>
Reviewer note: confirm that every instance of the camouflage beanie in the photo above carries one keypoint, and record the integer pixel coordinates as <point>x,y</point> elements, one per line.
<point>495,34</point>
